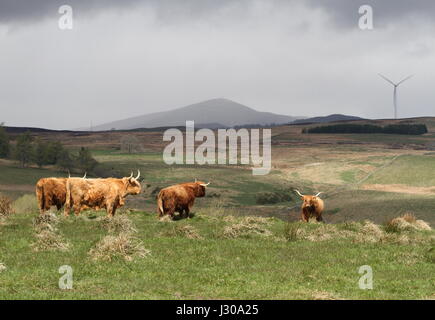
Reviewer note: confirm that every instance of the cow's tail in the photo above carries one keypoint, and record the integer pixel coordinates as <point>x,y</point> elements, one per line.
<point>160,205</point>
<point>40,196</point>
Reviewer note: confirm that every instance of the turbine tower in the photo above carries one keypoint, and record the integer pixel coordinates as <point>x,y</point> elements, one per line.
<point>395,85</point>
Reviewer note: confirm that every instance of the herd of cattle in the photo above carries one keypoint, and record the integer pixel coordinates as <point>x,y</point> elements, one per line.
<point>81,194</point>
<point>110,193</point>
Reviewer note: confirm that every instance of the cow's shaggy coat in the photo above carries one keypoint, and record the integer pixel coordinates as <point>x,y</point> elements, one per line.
<point>179,198</point>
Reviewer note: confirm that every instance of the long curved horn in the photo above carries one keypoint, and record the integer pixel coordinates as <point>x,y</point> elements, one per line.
<point>298,193</point>
<point>131,175</point>
<point>84,177</point>
<point>204,184</point>
<point>196,180</point>
<point>69,174</point>
<point>138,174</point>
<point>318,194</point>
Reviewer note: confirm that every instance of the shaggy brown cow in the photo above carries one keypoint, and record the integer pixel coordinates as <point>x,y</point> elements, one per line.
<point>311,206</point>
<point>51,192</point>
<point>179,198</point>
<point>96,194</point>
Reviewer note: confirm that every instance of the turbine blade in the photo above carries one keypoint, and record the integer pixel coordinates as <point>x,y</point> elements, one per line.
<point>386,79</point>
<point>407,78</point>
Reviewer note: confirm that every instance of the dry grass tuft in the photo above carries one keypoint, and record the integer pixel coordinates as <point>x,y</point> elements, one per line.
<point>47,240</point>
<point>118,224</point>
<point>6,208</point>
<point>256,220</point>
<point>230,219</point>
<point>406,222</point>
<point>369,232</point>
<point>47,235</point>
<point>245,228</point>
<point>409,217</point>
<point>2,267</point>
<point>166,218</point>
<point>123,245</point>
<point>186,231</point>
<point>422,225</point>
<point>293,231</point>
<point>322,295</point>
<point>47,218</point>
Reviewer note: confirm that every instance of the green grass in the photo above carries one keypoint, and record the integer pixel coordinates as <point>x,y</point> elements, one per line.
<point>418,171</point>
<point>16,175</point>
<point>254,267</point>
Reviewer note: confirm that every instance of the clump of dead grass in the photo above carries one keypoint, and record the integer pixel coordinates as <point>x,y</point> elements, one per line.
<point>292,231</point>
<point>118,224</point>
<point>246,227</point>
<point>47,235</point>
<point>186,231</point>
<point>369,232</point>
<point>406,222</point>
<point>323,295</point>
<point>47,221</point>
<point>360,232</point>
<point>6,208</point>
<point>123,245</point>
<point>166,218</point>
<point>47,240</point>
<point>120,243</point>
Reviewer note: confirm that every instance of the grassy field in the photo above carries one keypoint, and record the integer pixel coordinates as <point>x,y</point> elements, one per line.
<point>235,246</point>
<point>215,255</point>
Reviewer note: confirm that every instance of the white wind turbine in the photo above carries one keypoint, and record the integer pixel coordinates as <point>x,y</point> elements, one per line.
<point>395,90</point>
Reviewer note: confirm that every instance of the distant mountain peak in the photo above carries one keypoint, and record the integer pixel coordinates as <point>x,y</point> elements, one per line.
<point>221,111</point>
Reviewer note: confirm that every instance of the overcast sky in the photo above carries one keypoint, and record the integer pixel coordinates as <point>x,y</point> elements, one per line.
<point>294,57</point>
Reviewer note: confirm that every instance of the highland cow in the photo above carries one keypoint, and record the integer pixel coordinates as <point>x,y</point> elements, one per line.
<point>97,194</point>
<point>312,206</point>
<point>179,198</point>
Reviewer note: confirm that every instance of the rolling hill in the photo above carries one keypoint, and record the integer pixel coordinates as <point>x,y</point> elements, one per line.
<point>211,114</point>
<point>326,119</point>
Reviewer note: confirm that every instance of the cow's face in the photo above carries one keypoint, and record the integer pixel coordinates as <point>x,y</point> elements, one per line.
<point>133,186</point>
<point>200,189</point>
<point>309,201</point>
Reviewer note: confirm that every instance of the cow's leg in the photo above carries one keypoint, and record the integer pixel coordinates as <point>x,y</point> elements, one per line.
<point>66,210</point>
<point>110,209</point>
<point>319,218</point>
<point>113,210</point>
<point>77,209</point>
<point>187,211</point>
<point>171,213</point>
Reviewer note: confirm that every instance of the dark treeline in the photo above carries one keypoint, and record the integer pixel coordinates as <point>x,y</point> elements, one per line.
<point>410,129</point>
<point>28,150</point>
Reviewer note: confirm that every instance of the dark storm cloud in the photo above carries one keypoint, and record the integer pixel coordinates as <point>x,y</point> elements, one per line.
<point>344,12</point>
